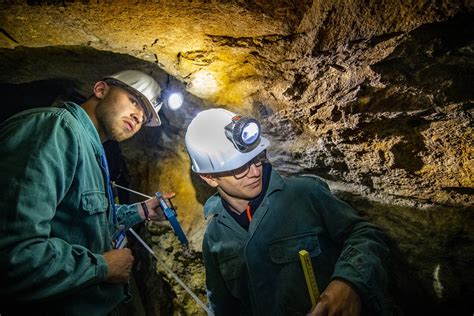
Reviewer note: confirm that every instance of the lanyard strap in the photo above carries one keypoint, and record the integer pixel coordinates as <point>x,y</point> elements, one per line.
<point>110,193</point>
<point>249,215</point>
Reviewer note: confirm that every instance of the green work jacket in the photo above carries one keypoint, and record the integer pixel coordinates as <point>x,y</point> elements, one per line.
<point>258,272</point>
<point>55,215</point>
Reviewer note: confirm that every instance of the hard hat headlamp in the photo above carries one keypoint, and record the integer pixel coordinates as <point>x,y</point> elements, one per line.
<point>175,100</point>
<point>244,132</point>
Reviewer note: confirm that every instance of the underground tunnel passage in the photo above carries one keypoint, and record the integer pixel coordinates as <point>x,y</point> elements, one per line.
<point>374,98</point>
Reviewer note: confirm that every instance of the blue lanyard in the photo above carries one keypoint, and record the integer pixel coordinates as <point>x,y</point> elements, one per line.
<point>110,194</point>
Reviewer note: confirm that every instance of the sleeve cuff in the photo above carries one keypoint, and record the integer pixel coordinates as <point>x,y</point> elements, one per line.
<point>101,268</point>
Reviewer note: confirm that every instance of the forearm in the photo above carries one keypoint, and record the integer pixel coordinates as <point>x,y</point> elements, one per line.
<point>129,215</point>
<point>364,248</point>
<point>39,270</point>
<point>362,263</point>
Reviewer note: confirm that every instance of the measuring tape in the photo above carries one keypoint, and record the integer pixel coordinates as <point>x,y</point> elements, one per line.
<point>309,276</point>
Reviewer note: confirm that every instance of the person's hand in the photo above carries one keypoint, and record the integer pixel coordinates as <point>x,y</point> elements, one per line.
<point>155,213</point>
<point>119,262</point>
<point>339,298</point>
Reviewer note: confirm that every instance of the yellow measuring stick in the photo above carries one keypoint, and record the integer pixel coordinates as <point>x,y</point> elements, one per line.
<point>309,276</point>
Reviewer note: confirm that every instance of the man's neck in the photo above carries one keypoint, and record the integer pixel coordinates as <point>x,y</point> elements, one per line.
<point>236,205</point>
<point>89,106</point>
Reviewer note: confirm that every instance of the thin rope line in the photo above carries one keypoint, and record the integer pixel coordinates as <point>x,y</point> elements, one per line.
<point>144,244</point>
<point>127,189</point>
<point>194,296</point>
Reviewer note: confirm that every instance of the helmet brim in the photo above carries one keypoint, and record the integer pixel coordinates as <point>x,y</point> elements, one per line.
<point>236,163</point>
<point>154,120</point>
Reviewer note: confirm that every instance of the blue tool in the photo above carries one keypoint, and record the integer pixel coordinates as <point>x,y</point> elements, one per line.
<point>170,214</point>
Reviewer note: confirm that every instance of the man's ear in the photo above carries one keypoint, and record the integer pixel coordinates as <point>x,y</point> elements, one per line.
<point>209,180</point>
<point>100,89</point>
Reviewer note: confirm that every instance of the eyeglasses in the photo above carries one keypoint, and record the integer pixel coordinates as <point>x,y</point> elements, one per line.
<point>241,172</point>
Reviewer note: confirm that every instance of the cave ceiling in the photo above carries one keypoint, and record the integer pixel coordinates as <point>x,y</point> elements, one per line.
<point>321,71</point>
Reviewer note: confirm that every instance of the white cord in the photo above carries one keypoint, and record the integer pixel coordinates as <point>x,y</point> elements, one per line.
<point>180,282</point>
<point>127,189</point>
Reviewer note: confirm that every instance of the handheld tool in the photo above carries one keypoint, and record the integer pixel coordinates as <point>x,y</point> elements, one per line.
<point>170,214</point>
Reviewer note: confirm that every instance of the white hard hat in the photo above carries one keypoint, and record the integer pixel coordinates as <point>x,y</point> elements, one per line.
<point>210,146</point>
<point>145,88</point>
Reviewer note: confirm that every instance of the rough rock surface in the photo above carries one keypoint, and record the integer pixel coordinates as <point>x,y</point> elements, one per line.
<point>375,97</point>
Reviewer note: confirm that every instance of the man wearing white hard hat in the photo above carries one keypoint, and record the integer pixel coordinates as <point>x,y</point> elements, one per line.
<point>258,222</point>
<point>60,230</point>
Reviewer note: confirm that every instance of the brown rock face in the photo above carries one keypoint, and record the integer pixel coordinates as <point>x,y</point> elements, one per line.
<point>377,98</point>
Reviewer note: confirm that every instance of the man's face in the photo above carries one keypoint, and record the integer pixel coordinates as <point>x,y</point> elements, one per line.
<point>119,114</point>
<point>245,188</point>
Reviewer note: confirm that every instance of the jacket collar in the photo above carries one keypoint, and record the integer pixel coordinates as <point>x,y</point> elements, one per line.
<point>276,183</point>
<point>214,206</point>
<point>81,115</point>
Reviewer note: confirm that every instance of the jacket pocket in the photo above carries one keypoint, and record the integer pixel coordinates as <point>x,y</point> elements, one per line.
<point>94,202</point>
<point>286,250</point>
<point>230,267</point>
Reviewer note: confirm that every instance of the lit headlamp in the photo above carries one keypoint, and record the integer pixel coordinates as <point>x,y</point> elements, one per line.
<point>243,131</point>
